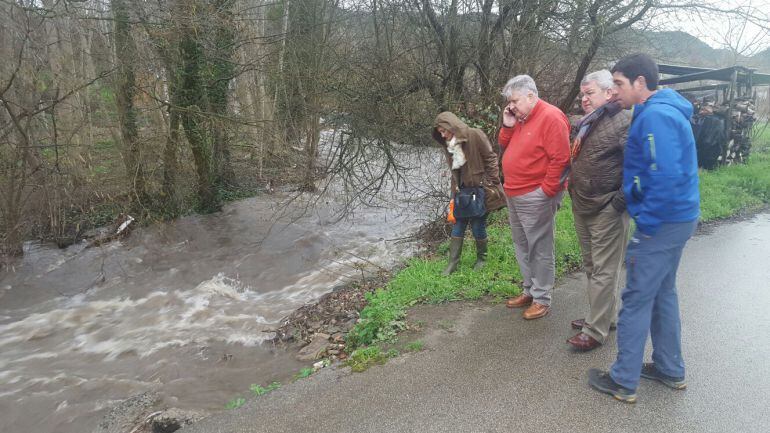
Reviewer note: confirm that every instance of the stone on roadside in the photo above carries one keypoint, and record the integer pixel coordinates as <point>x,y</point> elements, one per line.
<point>173,419</point>
<point>127,414</point>
<point>314,324</point>
<point>315,349</point>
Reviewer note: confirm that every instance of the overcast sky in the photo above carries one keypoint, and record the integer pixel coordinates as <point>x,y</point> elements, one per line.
<point>720,31</point>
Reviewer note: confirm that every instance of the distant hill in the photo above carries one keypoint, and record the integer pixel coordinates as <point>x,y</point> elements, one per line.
<point>680,48</point>
<point>761,60</point>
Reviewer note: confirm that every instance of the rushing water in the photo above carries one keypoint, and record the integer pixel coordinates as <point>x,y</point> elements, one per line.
<point>182,307</point>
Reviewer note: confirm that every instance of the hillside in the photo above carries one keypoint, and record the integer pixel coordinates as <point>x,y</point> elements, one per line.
<point>680,48</point>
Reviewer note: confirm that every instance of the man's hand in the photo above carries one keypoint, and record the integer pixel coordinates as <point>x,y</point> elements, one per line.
<point>508,118</point>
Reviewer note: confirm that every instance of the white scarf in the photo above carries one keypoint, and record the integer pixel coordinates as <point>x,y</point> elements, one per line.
<point>458,157</point>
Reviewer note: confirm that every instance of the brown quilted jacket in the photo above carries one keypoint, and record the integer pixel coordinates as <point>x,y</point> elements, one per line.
<point>596,178</point>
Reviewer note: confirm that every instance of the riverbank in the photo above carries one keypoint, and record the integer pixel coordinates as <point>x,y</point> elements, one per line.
<point>483,368</point>
<point>382,329</point>
<point>725,192</point>
<point>370,322</point>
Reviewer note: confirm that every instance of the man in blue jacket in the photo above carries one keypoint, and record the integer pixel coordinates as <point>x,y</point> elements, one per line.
<point>660,183</point>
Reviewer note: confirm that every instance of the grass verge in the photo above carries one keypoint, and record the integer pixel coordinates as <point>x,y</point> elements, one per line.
<point>729,190</point>
<point>725,192</point>
<point>420,280</point>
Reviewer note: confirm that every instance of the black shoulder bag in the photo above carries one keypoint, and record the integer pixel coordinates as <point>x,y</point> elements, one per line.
<point>469,201</point>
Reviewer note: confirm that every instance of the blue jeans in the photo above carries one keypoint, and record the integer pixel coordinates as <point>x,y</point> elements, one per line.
<point>651,304</point>
<point>478,227</point>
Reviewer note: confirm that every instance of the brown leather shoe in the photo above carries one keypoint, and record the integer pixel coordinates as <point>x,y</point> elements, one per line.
<point>583,342</point>
<point>579,323</point>
<point>519,301</point>
<point>536,311</point>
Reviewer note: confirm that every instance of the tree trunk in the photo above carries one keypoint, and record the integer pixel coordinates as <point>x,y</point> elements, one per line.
<point>222,71</point>
<point>125,87</point>
<point>585,62</point>
<point>191,97</point>
<point>170,161</point>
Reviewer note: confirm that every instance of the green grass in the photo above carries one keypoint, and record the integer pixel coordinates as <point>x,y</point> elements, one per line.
<point>258,390</point>
<point>303,373</point>
<point>235,403</point>
<point>365,357</point>
<point>415,346</point>
<point>421,282</point>
<point>724,192</point>
<point>731,189</point>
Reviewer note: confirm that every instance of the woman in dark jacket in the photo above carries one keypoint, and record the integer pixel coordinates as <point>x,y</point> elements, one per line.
<point>473,163</point>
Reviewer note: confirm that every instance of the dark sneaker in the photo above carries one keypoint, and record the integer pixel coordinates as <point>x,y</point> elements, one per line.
<point>602,381</point>
<point>650,372</point>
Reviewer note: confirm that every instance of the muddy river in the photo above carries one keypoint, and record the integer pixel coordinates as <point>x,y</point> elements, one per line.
<point>181,308</point>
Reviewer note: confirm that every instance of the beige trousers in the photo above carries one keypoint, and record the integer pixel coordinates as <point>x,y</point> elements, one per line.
<point>531,217</point>
<point>603,238</point>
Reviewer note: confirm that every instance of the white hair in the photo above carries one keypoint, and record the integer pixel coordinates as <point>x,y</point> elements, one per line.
<point>521,84</point>
<point>602,78</point>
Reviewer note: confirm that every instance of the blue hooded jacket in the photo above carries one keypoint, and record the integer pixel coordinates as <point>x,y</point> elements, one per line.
<point>660,167</point>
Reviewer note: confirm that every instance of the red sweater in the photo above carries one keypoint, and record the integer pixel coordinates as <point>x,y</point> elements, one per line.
<point>535,151</point>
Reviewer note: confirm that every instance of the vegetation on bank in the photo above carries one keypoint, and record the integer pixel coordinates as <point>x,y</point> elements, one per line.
<point>421,281</point>
<point>725,192</point>
<point>157,109</point>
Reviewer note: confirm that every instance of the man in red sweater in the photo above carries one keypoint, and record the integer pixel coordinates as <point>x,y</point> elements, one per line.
<point>535,145</point>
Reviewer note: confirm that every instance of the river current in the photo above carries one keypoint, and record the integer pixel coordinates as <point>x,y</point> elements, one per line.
<point>182,307</point>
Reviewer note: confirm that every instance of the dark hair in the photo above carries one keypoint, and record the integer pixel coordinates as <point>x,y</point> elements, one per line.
<point>637,65</point>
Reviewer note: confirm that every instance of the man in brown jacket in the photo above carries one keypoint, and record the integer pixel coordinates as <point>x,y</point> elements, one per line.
<point>601,222</point>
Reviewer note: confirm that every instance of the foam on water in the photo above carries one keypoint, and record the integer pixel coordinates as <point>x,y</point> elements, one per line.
<point>209,312</point>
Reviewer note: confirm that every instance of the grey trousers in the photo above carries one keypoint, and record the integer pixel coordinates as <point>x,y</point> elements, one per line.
<point>603,238</point>
<point>531,217</point>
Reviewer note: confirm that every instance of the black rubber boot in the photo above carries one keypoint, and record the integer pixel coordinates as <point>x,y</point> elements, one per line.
<point>455,251</point>
<point>481,254</point>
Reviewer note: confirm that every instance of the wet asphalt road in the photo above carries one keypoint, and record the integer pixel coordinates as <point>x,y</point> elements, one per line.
<point>496,372</point>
